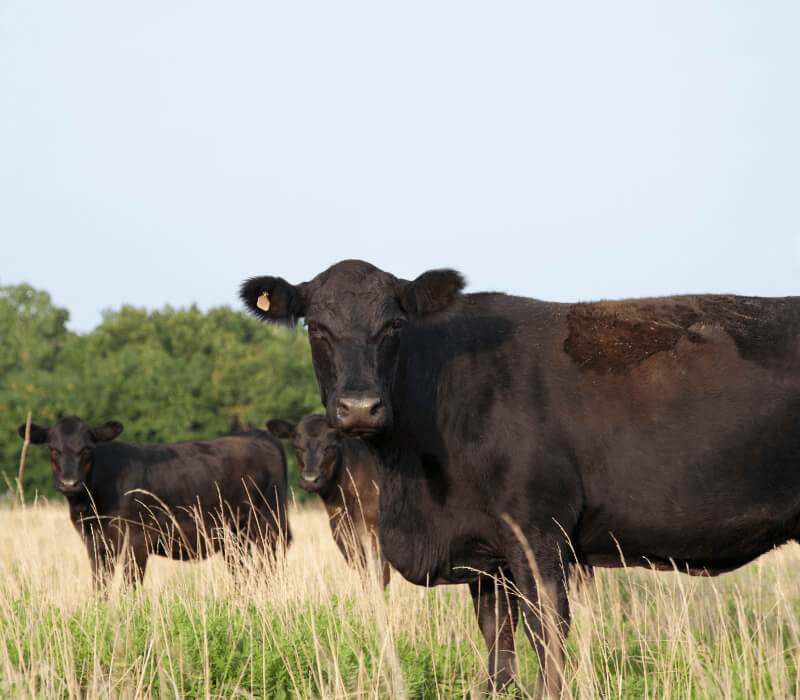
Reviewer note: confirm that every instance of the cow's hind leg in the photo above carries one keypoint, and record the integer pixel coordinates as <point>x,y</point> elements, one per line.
<point>497,613</point>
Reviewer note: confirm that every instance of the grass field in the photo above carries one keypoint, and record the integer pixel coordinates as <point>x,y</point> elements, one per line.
<point>314,629</point>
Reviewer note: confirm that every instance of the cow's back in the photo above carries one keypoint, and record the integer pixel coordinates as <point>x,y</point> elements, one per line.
<point>165,481</point>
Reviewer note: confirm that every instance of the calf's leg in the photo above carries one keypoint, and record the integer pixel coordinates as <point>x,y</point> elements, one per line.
<point>269,538</point>
<point>102,556</point>
<point>136,561</point>
<point>235,550</point>
<point>102,562</point>
<point>386,571</point>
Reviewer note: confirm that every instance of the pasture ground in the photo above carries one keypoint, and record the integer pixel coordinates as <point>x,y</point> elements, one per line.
<point>314,629</point>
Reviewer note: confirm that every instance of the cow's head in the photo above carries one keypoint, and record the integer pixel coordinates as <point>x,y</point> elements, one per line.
<point>71,442</point>
<point>355,314</point>
<point>317,447</point>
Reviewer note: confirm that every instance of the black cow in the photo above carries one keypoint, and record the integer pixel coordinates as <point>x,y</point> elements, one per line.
<point>343,472</point>
<point>172,500</point>
<point>516,434</point>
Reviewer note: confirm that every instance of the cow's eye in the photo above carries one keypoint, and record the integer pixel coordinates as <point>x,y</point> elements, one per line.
<point>398,323</point>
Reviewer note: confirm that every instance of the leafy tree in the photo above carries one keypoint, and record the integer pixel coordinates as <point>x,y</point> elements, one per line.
<point>32,329</point>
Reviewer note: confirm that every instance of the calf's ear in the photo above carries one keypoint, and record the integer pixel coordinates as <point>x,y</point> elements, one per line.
<point>38,434</point>
<point>273,299</point>
<point>282,429</point>
<point>107,431</point>
<point>431,292</point>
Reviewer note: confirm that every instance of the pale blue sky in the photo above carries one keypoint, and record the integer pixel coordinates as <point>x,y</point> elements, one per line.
<point>160,152</point>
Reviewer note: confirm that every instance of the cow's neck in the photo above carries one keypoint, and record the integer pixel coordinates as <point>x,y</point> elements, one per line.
<point>410,516</point>
<point>415,486</point>
<point>80,510</point>
<point>429,524</point>
<point>331,494</point>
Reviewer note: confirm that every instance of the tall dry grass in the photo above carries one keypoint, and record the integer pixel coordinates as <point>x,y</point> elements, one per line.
<point>314,628</point>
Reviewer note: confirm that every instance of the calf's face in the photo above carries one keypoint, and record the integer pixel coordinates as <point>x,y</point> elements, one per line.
<point>356,315</point>
<point>317,447</point>
<point>71,442</point>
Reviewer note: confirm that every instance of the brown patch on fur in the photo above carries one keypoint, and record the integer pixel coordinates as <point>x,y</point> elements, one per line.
<point>611,337</point>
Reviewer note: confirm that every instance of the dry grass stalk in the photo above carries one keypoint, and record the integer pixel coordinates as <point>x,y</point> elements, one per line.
<point>25,444</point>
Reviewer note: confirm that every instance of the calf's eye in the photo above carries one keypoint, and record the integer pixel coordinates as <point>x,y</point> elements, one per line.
<point>393,327</point>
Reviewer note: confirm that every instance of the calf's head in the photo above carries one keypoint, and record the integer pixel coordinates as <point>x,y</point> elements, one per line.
<point>317,447</point>
<point>71,442</point>
<point>356,315</point>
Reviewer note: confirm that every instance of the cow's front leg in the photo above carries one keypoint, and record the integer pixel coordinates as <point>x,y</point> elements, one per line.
<point>497,615</point>
<point>545,612</point>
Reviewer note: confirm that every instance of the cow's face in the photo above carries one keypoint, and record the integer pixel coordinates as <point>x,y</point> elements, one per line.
<point>71,442</point>
<point>356,315</point>
<point>317,447</point>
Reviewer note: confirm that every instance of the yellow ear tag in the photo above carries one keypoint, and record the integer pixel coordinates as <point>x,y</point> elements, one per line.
<point>263,302</point>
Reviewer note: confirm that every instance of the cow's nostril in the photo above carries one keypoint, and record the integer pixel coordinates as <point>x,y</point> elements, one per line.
<point>341,409</point>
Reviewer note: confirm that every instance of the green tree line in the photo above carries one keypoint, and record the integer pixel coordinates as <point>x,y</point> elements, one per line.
<point>167,375</point>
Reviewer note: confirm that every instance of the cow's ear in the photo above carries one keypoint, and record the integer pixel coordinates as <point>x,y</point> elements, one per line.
<point>107,431</point>
<point>38,434</point>
<point>274,299</point>
<point>431,292</point>
<point>282,429</point>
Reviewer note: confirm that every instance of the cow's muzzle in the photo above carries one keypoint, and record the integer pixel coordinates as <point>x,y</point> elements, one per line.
<point>361,414</point>
<point>312,483</point>
<point>69,487</point>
